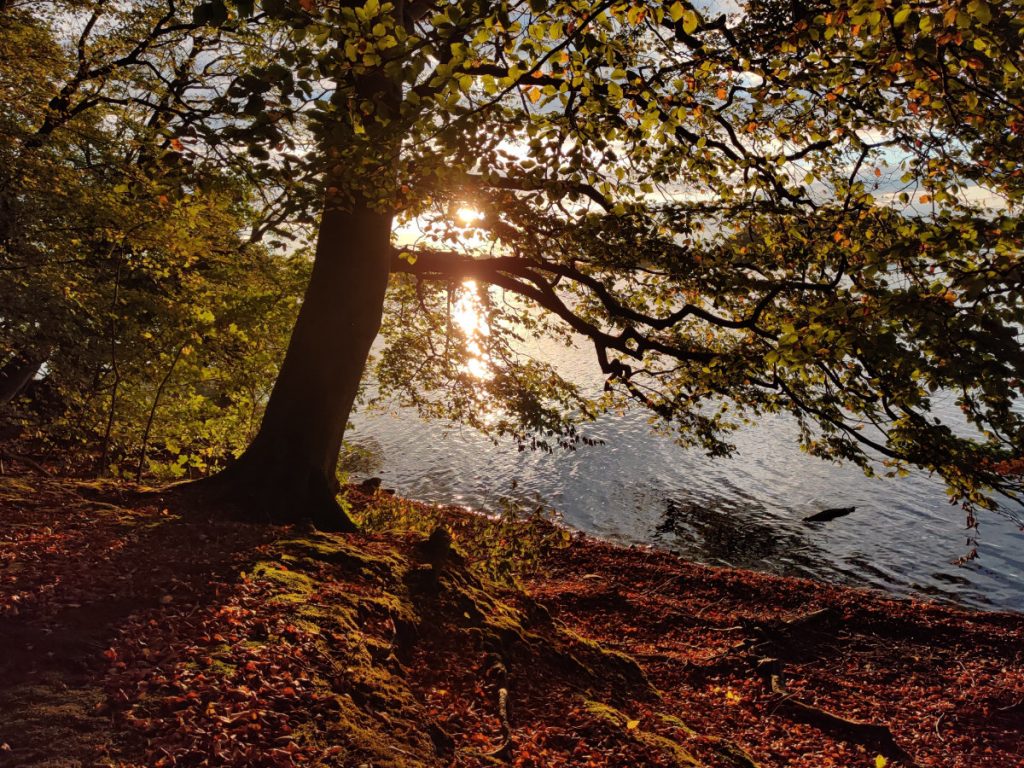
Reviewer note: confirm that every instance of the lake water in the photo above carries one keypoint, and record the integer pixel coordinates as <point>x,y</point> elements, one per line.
<point>746,511</point>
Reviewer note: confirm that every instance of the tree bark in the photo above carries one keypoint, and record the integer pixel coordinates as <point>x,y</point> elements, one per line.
<point>288,472</point>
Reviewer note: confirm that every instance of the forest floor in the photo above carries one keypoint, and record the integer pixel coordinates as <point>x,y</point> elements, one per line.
<point>139,630</point>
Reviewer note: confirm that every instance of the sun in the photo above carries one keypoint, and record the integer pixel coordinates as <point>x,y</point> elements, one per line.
<point>466,215</point>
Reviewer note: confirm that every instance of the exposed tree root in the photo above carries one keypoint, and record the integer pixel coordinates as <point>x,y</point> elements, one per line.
<point>871,734</point>
<point>777,637</point>
<point>767,638</point>
<point>680,755</point>
<point>445,582</point>
<point>445,592</point>
<point>504,751</point>
<point>267,496</point>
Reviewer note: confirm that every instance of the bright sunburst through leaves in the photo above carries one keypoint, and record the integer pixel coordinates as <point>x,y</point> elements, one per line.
<point>468,216</point>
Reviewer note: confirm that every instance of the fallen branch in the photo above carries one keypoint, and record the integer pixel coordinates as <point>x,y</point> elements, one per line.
<point>504,750</point>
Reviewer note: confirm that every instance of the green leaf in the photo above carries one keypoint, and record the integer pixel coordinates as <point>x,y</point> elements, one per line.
<point>980,10</point>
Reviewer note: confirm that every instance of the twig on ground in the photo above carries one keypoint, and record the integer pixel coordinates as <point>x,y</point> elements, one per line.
<point>30,463</point>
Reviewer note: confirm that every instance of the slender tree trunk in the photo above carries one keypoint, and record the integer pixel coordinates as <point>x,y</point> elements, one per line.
<point>101,464</point>
<point>288,472</point>
<point>152,412</point>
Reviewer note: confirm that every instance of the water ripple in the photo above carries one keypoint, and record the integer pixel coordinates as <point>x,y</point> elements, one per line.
<point>639,487</point>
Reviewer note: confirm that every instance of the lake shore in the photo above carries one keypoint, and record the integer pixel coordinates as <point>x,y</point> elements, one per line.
<point>147,630</point>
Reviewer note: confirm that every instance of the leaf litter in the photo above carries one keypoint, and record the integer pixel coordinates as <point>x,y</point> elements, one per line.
<point>138,631</point>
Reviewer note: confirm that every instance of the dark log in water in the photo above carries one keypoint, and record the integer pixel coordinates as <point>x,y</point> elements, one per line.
<point>829,514</point>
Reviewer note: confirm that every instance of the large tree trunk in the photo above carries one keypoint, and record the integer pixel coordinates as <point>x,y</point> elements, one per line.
<point>288,472</point>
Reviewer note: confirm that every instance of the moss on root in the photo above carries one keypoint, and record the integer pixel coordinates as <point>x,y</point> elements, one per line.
<point>679,754</point>
<point>421,594</point>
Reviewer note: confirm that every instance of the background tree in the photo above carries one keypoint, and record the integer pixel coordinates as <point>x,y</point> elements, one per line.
<point>132,286</point>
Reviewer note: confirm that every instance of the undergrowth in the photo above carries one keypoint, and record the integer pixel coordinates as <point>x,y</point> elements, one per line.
<point>504,547</point>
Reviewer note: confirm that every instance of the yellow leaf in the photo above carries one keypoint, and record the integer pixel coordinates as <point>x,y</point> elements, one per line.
<point>880,762</point>
<point>690,22</point>
<point>632,725</point>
